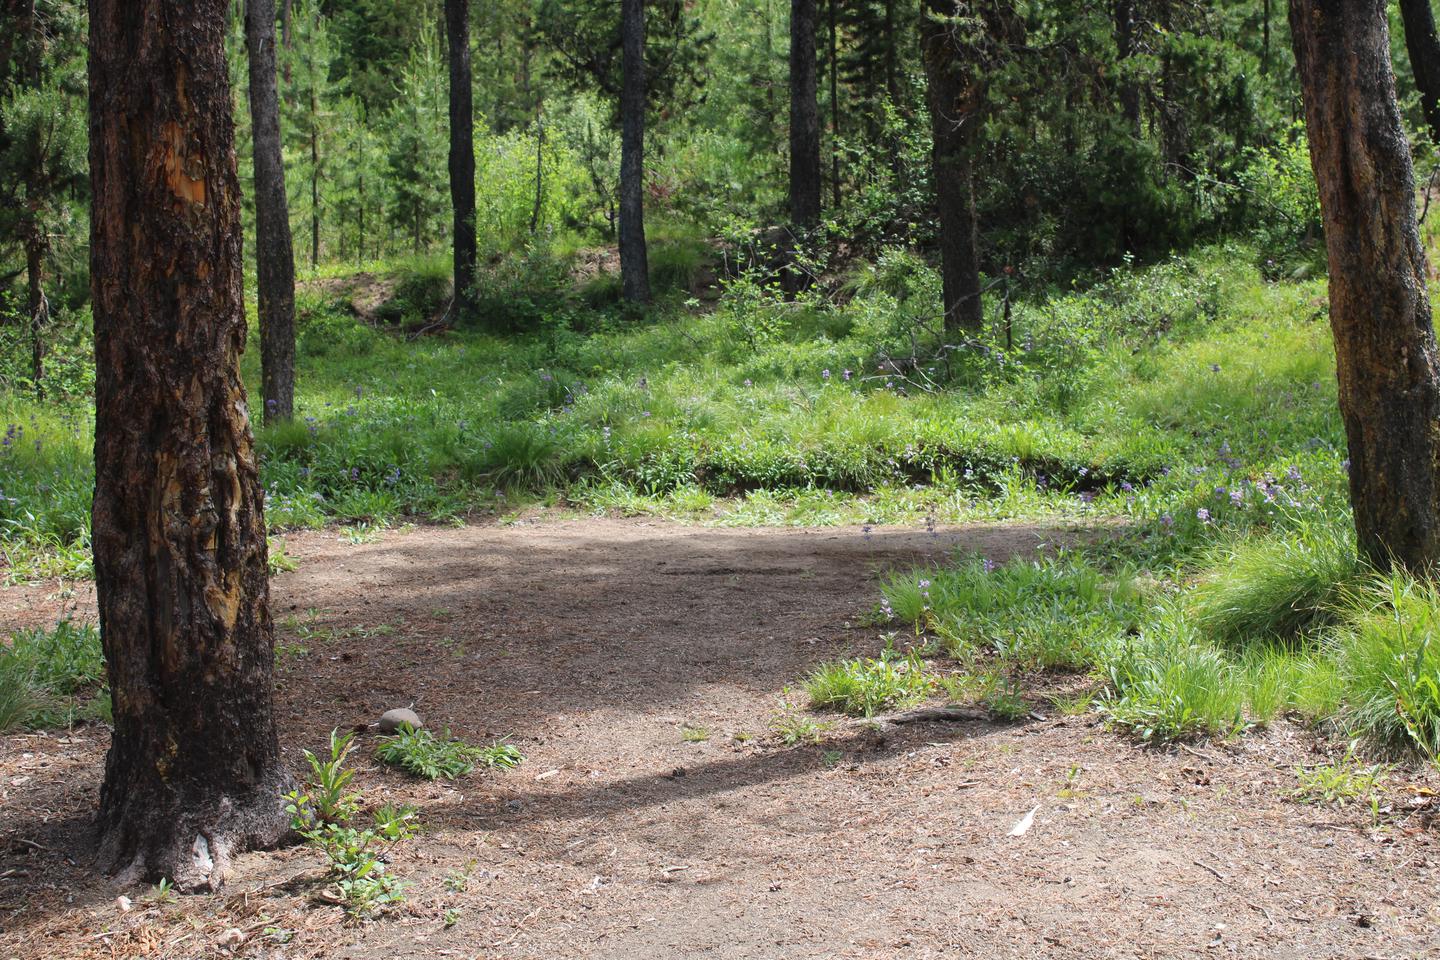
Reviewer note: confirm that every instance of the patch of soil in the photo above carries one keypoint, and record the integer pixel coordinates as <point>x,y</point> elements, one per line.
<point>594,645</point>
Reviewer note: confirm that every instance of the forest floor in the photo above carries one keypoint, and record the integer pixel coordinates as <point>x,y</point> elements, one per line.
<point>606,650</point>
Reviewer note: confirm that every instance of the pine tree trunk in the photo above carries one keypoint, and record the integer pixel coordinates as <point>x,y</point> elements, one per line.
<point>1125,49</point>
<point>634,262</point>
<point>804,119</point>
<point>193,773</point>
<point>462,155</point>
<point>834,65</point>
<point>1379,313</point>
<point>37,303</point>
<point>954,120</point>
<point>314,178</point>
<point>274,250</point>
<point>1424,46</point>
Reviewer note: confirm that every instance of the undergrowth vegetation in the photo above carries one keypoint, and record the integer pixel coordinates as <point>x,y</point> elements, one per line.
<point>1185,407</point>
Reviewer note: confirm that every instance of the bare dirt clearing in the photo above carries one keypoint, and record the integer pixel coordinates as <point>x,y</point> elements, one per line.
<point>593,644</point>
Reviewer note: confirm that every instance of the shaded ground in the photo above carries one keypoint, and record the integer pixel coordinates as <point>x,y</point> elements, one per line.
<point>592,643</point>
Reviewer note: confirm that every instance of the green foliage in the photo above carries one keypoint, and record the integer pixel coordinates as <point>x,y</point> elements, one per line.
<point>1338,784</point>
<point>52,677</point>
<point>865,686</point>
<point>422,754</point>
<point>1388,651</point>
<point>327,801</point>
<point>1054,613</point>
<point>1283,588</point>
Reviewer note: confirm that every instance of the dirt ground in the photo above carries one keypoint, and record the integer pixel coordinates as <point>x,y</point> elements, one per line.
<point>594,645</point>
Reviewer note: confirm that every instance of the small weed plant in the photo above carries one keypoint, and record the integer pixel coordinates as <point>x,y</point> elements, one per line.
<point>1340,783</point>
<point>323,812</point>
<point>422,754</point>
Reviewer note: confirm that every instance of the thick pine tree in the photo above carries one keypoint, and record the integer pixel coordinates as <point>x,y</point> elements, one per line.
<point>1385,348</point>
<point>955,100</point>
<point>194,771</point>
<point>274,251</point>
<point>634,260</point>
<point>1424,46</point>
<point>462,155</point>
<point>804,119</point>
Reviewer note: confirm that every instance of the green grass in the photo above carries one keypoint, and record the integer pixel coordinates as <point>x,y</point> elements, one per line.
<point>1188,405</point>
<point>52,677</point>
<point>863,687</point>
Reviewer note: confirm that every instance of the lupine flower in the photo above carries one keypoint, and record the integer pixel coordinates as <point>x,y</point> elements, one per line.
<point>825,374</point>
<point>987,565</point>
<point>1237,497</point>
<point>1127,486</point>
<point>847,374</point>
<point>1167,520</point>
<point>1203,515</point>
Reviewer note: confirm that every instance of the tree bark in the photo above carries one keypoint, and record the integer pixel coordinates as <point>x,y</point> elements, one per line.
<point>954,100</point>
<point>1125,49</point>
<point>193,773</point>
<point>38,305</point>
<point>462,155</point>
<point>1384,340</point>
<point>804,119</point>
<point>634,261</point>
<point>1424,46</point>
<point>274,249</point>
<point>834,64</point>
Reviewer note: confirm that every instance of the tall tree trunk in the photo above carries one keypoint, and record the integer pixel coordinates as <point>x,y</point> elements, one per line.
<point>634,262</point>
<point>1265,40</point>
<point>804,119</point>
<point>193,773</point>
<point>1424,46</point>
<point>314,180</point>
<point>834,65</point>
<point>462,155</point>
<point>287,11</point>
<point>274,250</point>
<point>1379,313</point>
<point>954,119</point>
<point>38,305</point>
<point>1125,48</point>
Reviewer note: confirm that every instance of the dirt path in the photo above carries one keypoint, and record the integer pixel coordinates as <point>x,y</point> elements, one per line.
<point>593,644</point>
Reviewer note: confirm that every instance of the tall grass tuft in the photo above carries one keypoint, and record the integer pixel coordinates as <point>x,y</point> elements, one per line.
<point>1279,588</point>
<point>1388,652</point>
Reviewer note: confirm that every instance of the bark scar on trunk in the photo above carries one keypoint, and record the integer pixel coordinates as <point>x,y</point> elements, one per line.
<point>180,168</point>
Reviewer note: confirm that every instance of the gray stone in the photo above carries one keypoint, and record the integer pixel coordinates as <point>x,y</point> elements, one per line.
<point>391,720</point>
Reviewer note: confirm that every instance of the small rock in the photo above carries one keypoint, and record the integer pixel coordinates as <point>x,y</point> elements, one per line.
<point>232,939</point>
<point>391,720</point>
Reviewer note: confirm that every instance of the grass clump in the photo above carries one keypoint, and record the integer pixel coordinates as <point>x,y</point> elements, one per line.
<point>865,686</point>
<point>1388,654</point>
<point>422,754</point>
<point>1282,588</point>
<point>1340,783</point>
<point>1054,613</point>
<point>52,677</point>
